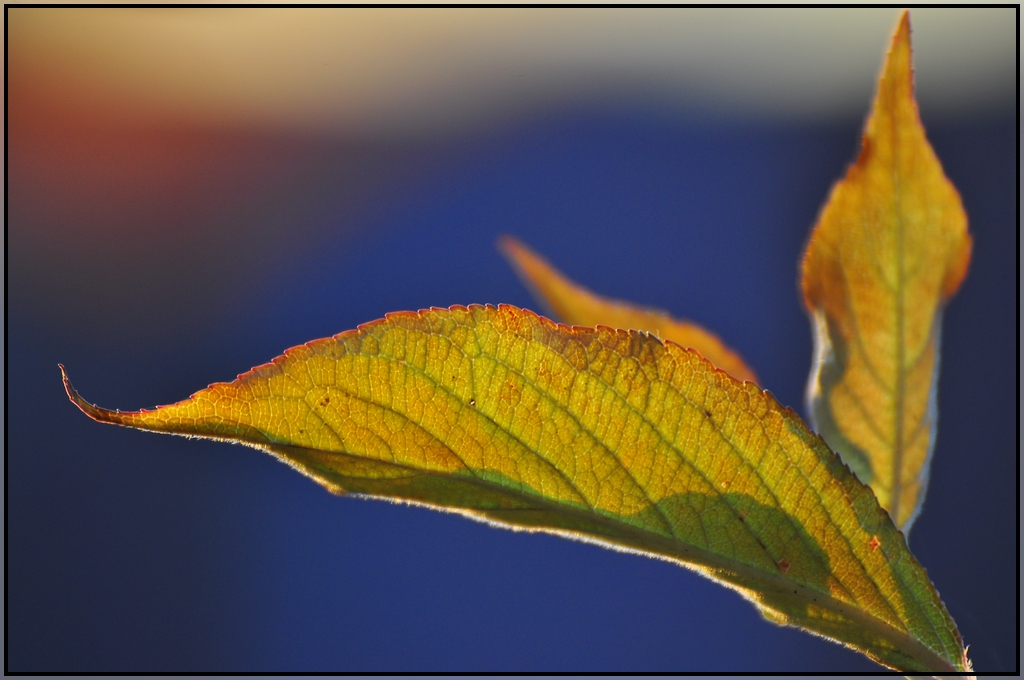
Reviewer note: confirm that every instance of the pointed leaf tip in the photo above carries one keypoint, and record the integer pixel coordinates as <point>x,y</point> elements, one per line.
<point>72,393</point>
<point>98,414</point>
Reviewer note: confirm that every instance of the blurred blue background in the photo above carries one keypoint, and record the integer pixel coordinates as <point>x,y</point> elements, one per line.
<point>154,253</point>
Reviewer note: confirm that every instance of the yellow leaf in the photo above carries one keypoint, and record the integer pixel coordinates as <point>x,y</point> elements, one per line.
<point>890,247</point>
<point>575,305</point>
<point>597,434</point>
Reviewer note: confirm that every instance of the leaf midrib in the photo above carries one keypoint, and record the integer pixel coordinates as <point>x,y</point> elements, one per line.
<point>900,387</point>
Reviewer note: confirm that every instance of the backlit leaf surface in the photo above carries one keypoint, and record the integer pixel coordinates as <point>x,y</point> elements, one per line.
<point>573,304</point>
<point>890,247</point>
<point>600,434</point>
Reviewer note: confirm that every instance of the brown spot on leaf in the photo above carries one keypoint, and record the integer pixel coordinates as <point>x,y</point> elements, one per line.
<point>783,566</point>
<point>511,392</point>
<point>874,542</point>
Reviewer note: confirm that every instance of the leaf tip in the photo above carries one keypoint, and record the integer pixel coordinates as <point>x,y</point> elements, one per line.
<point>898,67</point>
<point>94,412</point>
<point>69,388</point>
<point>543,281</point>
<point>524,261</point>
<point>901,36</point>
<point>903,26</point>
<point>508,244</point>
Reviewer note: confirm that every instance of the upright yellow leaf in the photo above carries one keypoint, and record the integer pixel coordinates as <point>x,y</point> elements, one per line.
<point>593,433</point>
<point>573,304</point>
<point>890,247</point>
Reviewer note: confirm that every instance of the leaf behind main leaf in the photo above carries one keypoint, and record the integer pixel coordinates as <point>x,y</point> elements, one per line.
<point>600,434</point>
<point>889,249</point>
<point>575,305</point>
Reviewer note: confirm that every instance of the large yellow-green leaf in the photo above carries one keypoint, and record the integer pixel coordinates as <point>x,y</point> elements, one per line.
<point>601,434</point>
<point>574,304</point>
<point>889,249</point>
